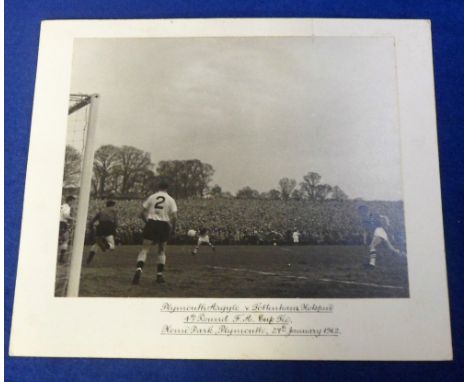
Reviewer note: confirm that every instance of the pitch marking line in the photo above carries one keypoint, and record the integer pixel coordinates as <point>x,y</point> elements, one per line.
<point>326,280</point>
<point>258,272</point>
<point>362,284</point>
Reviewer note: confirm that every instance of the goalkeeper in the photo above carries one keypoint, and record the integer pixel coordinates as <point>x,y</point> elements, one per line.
<point>106,220</point>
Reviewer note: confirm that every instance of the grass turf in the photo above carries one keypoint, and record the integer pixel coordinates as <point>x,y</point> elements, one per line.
<point>249,272</point>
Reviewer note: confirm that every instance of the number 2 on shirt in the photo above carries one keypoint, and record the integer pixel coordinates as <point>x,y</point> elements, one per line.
<point>161,200</point>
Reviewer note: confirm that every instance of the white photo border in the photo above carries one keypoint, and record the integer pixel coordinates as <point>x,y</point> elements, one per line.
<point>415,328</point>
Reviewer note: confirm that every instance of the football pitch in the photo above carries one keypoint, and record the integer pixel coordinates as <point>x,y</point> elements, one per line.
<point>249,272</point>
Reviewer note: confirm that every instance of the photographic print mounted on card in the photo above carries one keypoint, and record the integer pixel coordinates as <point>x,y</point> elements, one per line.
<point>230,180</point>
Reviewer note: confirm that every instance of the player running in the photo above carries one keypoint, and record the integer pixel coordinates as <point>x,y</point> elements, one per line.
<point>106,220</point>
<point>160,216</point>
<point>375,233</point>
<point>65,225</point>
<point>203,238</point>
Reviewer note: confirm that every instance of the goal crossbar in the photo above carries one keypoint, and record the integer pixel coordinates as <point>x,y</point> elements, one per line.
<point>81,100</point>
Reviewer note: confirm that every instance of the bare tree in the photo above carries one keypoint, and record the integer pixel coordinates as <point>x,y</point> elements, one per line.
<point>309,185</point>
<point>144,183</point>
<point>286,186</point>
<point>323,191</point>
<point>297,194</point>
<point>186,177</point>
<point>133,162</point>
<point>106,164</point>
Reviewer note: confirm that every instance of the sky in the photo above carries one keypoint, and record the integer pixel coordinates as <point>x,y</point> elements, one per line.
<point>256,109</point>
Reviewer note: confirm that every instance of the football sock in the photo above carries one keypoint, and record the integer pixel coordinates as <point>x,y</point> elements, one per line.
<point>62,256</point>
<point>138,272</point>
<point>142,255</point>
<point>372,258</point>
<point>161,262</point>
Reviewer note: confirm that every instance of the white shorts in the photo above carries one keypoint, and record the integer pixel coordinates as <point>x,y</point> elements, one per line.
<point>111,241</point>
<point>380,232</point>
<point>203,239</point>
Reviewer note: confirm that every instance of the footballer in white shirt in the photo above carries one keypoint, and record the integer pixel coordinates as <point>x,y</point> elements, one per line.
<point>296,236</point>
<point>375,233</point>
<point>160,215</point>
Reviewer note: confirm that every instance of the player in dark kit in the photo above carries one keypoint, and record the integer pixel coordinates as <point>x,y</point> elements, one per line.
<point>106,220</point>
<point>160,215</point>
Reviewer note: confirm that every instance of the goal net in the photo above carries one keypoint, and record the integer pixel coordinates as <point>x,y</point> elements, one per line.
<point>77,177</point>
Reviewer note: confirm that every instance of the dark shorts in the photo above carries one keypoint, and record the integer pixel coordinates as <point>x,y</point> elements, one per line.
<point>63,228</point>
<point>64,233</point>
<point>105,229</point>
<point>157,231</point>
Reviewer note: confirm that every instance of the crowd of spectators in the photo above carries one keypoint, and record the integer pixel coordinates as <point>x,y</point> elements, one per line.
<point>256,221</point>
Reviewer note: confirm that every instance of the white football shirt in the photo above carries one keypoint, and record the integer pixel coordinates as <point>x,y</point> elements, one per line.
<point>160,206</point>
<point>65,212</point>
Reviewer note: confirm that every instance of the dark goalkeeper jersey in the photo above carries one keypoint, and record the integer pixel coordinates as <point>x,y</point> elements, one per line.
<point>107,222</point>
<point>108,215</point>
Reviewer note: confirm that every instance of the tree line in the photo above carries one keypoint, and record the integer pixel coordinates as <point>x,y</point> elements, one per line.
<point>128,172</point>
<point>310,188</point>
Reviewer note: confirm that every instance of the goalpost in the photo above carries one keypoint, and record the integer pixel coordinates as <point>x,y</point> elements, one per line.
<point>81,128</point>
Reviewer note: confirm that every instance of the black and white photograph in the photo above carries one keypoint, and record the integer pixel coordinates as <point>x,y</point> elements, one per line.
<point>233,167</point>
<point>233,189</point>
